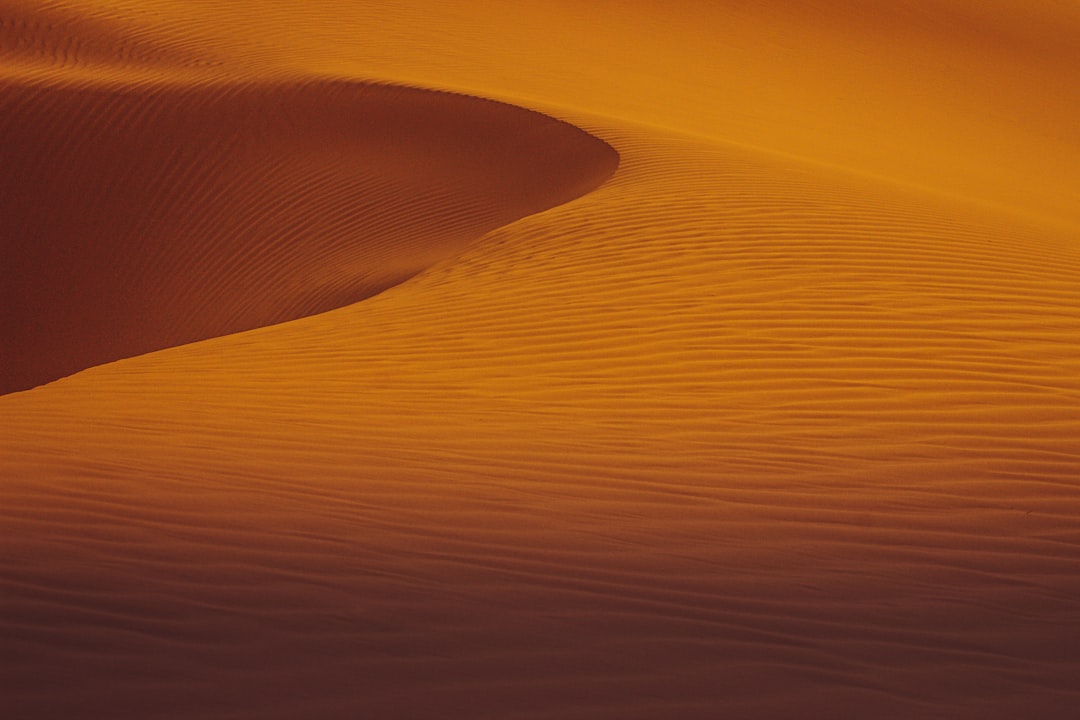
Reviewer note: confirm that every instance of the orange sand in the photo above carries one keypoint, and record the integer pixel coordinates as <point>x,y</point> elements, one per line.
<point>150,217</point>
<point>781,420</point>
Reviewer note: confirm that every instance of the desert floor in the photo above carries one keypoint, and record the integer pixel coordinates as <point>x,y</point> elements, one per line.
<point>545,359</point>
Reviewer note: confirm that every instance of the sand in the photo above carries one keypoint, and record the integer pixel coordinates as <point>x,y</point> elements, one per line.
<point>145,218</point>
<point>449,417</point>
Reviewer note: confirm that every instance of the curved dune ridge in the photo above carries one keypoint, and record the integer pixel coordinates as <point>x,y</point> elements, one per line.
<point>140,218</point>
<point>741,432</point>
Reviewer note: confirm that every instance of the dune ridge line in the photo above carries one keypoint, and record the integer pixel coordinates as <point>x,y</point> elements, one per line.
<point>142,218</point>
<point>734,435</point>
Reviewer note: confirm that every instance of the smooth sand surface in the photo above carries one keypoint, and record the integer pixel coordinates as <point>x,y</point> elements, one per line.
<point>781,419</point>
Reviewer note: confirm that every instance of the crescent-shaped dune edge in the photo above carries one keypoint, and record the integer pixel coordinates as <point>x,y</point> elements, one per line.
<point>780,417</point>
<point>139,218</point>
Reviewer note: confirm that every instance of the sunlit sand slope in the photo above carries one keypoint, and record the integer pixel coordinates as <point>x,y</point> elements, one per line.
<point>603,465</point>
<point>734,434</point>
<point>66,40</point>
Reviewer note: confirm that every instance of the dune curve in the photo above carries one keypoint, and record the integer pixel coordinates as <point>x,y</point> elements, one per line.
<point>781,421</point>
<point>138,218</point>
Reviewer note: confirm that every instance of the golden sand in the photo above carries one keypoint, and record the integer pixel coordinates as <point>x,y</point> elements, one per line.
<point>781,419</point>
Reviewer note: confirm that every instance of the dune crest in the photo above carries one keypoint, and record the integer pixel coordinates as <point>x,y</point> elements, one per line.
<point>140,218</point>
<point>781,421</point>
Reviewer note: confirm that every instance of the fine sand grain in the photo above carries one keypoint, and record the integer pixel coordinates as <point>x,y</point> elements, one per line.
<point>780,418</point>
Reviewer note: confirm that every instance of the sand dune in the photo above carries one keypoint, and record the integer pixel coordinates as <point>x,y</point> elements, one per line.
<point>142,218</point>
<point>737,432</point>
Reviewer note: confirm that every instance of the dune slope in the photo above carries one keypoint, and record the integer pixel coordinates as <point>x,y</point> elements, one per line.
<point>738,433</point>
<point>138,218</point>
<point>545,476</point>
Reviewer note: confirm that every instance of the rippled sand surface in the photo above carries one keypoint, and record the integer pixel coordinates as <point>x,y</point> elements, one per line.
<point>546,360</point>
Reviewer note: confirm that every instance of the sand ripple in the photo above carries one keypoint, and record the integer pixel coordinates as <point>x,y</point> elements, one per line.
<point>734,434</point>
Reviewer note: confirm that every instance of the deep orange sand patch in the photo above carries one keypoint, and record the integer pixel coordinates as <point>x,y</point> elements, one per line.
<point>782,420</point>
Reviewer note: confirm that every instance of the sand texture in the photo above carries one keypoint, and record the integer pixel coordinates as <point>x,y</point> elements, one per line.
<point>576,361</point>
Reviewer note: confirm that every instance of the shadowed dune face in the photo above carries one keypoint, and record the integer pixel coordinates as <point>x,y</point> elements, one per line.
<point>139,218</point>
<point>737,434</point>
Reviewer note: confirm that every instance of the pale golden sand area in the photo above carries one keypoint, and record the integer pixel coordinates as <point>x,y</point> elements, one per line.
<point>681,360</point>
